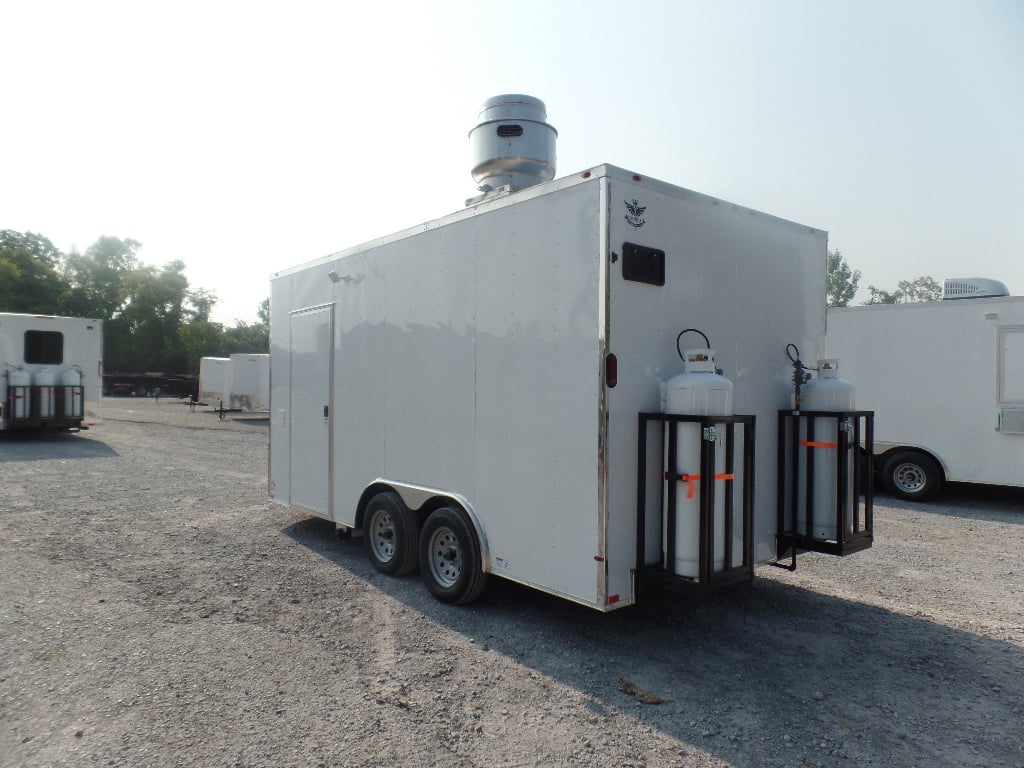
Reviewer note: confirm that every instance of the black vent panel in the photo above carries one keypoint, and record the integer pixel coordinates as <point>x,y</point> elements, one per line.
<point>642,264</point>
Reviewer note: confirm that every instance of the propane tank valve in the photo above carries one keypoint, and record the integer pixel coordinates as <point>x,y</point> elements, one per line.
<point>801,375</point>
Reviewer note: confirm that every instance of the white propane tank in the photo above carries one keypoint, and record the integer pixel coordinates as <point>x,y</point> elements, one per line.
<point>698,391</point>
<point>45,381</point>
<point>20,382</point>
<point>826,392</point>
<point>71,382</point>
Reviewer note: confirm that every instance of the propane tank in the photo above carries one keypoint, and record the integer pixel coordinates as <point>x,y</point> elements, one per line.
<point>45,381</point>
<point>71,384</point>
<point>698,391</point>
<point>826,392</point>
<point>20,383</point>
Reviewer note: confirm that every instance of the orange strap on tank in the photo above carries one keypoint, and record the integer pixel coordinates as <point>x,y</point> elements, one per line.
<point>691,488</point>
<point>818,444</point>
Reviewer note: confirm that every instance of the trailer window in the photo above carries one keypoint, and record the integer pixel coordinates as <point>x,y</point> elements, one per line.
<point>44,347</point>
<point>642,264</point>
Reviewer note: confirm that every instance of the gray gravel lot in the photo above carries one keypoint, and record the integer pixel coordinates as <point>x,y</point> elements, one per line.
<point>156,610</point>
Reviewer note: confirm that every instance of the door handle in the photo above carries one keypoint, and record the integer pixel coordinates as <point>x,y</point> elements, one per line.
<point>325,411</point>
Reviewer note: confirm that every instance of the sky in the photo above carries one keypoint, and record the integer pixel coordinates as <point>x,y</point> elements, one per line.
<point>245,138</point>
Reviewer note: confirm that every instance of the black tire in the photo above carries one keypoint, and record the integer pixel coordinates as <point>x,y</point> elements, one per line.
<point>390,535</point>
<point>450,559</point>
<point>911,475</point>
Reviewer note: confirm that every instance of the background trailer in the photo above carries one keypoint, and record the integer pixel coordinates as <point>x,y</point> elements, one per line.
<point>250,382</point>
<point>215,380</point>
<point>51,372</point>
<point>946,381</point>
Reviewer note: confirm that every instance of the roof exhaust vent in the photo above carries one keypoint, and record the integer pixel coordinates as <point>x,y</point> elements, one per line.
<point>512,146</point>
<point>972,288</point>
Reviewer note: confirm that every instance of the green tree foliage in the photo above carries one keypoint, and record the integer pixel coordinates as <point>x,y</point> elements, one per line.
<point>250,337</point>
<point>29,281</point>
<point>153,320</point>
<point>146,330</point>
<point>200,336</point>
<point>98,278</point>
<point>840,280</point>
<point>922,288</point>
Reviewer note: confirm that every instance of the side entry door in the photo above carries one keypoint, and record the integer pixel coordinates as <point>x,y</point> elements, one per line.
<point>310,357</point>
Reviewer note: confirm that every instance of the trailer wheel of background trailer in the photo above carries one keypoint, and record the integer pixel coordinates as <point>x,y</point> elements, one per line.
<point>911,475</point>
<point>390,535</point>
<point>450,557</point>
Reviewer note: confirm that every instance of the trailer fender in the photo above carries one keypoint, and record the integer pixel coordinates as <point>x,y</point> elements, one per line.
<point>423,500</point>
<point>882,449</point>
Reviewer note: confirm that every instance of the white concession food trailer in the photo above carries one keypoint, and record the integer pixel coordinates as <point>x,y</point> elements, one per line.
<point>485,393</point>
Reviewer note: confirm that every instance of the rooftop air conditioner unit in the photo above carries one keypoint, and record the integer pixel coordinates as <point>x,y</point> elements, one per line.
<point>973,288</point>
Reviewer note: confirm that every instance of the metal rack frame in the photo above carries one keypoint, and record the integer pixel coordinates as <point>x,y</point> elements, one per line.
<point>855,432</point>
<point>707,579</point>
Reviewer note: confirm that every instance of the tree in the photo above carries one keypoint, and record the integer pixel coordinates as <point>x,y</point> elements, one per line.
<point>29,281</point>
<point>200,337</point>
<point>146,331</point>
<point>840,280</point>
<point>922,288</point>
<point>98,277</point>
<point>250,337</point>
<point>152,320</point>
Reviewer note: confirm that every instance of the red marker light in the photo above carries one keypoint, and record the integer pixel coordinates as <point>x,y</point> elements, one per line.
<point>586,175</point>
<point>611,370</point>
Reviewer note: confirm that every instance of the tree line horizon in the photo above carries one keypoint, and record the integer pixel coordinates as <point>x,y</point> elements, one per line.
<point>842,283</point>
<point>153,320</point>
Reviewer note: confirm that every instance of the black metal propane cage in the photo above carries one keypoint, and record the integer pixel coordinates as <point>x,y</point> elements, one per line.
<point>825,456</point>
<point>58,406</point>
<point>674,486</point>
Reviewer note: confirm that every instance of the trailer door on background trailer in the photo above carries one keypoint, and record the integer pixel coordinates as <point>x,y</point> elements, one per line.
<point>309,422</point>
<point>1010,362</point>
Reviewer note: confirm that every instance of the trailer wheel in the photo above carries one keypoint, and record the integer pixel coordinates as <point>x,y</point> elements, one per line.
<point>390,535</point>
<point>911,475</point>
<point>450,558</point>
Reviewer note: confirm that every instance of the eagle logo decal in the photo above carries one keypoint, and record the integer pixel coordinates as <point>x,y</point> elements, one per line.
<point>635,217</point>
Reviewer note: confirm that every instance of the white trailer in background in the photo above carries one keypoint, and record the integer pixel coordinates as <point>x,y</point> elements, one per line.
<point>215,380</point>
<point>250,382</point>
<point>946,382</point>
<point>52,372</point>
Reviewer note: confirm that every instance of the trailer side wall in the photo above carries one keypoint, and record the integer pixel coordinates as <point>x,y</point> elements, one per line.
<point>939,375</point>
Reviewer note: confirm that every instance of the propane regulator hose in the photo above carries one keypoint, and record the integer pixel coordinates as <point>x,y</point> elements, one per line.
<point>800,374</point>
<point>690,330</point>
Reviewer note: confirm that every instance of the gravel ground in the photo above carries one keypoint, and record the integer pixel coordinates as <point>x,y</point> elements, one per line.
<point>156,610</point>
